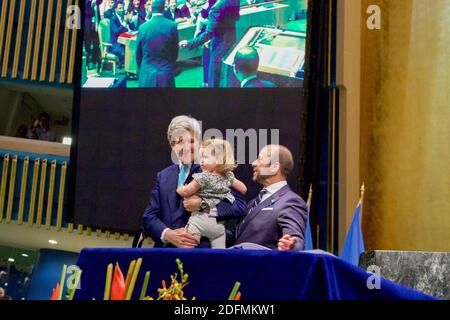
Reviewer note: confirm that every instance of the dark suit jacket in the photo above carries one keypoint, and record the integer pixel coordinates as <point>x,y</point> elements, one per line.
<point>116,28</point>
<point>258,83</point>
<point>108,14</point>
<point>284,212</point>
<point>221,30</point>
<point>169,14</point>
<point>141,19</point>
<point>182,12</point>
<point>165,207</point>
<point>157,52</point>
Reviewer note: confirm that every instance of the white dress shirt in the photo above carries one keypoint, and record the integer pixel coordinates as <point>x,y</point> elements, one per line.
<point>273,188</point>
<point>247,80</point>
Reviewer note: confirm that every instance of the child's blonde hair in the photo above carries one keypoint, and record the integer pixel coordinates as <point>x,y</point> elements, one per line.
<point>222,151</point>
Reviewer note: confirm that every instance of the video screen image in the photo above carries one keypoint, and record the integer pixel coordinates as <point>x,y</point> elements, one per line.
<point>194,43</point>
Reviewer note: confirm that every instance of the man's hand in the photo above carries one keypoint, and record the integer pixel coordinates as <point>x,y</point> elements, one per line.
<point>287,243</point>
<point>192,204</point>
<point>183,43</point>
<point>181,238</point>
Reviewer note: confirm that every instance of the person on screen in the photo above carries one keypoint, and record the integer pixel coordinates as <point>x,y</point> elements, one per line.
<point>221,30</point>
<point>277,216</point>
<point>245,67</point>
<point>109,9</point>
<point>138,14</point>
<point>186,11</point>
<point>167,213</point>
<point>157,49</point>
<point>148,10</point>
<point>91,40</point>
<point>213,185</point>
<point>118,25</point>
<point>169,12</point>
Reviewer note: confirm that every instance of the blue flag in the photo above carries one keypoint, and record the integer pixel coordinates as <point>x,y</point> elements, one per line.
<point>354,242</point>
<point>308,236</point>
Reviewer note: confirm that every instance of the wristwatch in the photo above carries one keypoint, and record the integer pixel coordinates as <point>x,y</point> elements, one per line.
<point>203,205</point>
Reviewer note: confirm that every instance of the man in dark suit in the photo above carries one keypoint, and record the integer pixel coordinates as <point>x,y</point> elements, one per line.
<point>245,67</point>
<point>91,41</point>
<point>277,216</point>
<point>167,214</point>
<point>157,49</point>
<point>169,12</point>
<point>185,11</point>
<point>221,30</point>
<point>118,25</point>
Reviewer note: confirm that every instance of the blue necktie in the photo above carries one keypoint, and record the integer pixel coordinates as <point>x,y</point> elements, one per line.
<point>182,175</point>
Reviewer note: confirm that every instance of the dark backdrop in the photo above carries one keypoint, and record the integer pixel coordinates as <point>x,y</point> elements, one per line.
<point>120,142</point>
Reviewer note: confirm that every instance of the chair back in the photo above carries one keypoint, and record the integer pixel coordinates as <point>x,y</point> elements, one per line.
<point>104,33</point>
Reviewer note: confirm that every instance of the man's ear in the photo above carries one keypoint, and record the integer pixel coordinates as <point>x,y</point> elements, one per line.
<point>276,167</point>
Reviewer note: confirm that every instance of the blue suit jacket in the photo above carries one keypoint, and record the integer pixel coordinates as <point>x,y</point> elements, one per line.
<point>165,207</point>
<point>284,212</point>
<point>157,52</point>
<point>116,28</point>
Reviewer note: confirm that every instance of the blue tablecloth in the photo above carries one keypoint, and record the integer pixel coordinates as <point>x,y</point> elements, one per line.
<point>264,275</point>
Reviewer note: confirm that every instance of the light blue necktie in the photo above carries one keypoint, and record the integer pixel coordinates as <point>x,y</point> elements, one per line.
<point>182,174</point>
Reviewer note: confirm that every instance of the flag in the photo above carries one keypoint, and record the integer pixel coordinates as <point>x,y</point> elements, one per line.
<point>118,285</point>
<point>308,236</point>
<point>354,242</point>
<point>55,294</point>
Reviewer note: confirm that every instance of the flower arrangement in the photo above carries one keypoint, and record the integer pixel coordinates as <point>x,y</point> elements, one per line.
<point>119,288</point>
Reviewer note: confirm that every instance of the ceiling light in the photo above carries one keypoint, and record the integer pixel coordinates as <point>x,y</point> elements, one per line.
<point>53,242</point>
<point>25,255</point>
<point>11,260</point>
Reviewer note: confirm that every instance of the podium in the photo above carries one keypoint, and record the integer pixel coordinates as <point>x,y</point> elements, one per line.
<point>263,274</point>
<point>281,56</point>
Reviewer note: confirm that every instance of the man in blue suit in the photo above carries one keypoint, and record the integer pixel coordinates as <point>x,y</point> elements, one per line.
<point>221,30</point>
<point>245,67</point>
<point>167,214</point>
<point>277,216</point>
<point>157,49</point>
<point>118,25</point>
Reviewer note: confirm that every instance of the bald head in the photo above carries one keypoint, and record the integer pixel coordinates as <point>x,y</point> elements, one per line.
<point>246,61</point>
<point>274,164</point>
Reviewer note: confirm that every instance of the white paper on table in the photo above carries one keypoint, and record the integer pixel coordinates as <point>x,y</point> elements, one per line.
<point>99,82</point>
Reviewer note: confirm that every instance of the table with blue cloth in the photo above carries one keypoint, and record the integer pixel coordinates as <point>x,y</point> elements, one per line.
<point>264,275</point>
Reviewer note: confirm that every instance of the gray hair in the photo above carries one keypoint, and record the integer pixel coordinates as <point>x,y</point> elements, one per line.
<point>183,123</point>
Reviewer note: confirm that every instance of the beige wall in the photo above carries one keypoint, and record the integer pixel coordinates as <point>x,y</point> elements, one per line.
<point>405,126</point>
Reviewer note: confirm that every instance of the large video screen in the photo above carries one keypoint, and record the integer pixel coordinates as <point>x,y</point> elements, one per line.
<point>194,43</point>
<point>121,135</point>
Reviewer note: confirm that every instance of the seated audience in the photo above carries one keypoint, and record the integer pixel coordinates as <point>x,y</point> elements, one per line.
<point>22,132</point>
<point>41,129</point>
